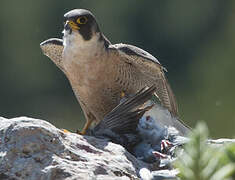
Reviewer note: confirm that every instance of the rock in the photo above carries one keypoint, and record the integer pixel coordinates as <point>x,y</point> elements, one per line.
<point>35,149</point>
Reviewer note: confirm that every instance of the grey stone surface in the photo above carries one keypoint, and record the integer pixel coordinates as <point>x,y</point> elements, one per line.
<point>35,149</point>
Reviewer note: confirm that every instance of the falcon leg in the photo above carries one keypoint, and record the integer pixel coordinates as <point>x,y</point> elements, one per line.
<point>84,129</point>
<point>86,126</point>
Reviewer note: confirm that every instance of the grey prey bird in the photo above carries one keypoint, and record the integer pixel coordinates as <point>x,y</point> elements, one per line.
<point>134,125</point>
<point>101,73</point>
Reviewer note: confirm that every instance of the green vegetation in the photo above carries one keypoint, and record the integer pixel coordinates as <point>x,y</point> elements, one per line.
<point>203,161</point>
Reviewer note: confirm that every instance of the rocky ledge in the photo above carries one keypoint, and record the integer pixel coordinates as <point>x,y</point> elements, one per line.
<point>35,149</point>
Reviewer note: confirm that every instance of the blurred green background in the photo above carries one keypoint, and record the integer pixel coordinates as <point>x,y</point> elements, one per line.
<point>194,40</point>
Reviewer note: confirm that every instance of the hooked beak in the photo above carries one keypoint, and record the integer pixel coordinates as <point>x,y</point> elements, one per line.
<point>70,25</point>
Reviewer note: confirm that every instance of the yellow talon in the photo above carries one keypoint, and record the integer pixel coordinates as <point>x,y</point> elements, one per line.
<point>123,94</point>
<point>79,132</point>
<point>85,128</point>
<point>65,131</point>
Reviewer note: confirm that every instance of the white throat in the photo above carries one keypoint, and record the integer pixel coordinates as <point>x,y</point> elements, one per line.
<point>79,50</point>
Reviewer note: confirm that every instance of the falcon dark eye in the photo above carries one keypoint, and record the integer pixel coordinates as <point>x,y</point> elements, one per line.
<point>82,20</point>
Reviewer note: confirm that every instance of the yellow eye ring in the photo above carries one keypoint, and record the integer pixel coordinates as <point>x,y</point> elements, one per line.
<point>82,20</point>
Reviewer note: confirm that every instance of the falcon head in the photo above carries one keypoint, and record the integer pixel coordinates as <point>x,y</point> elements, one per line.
<point>80,22</point>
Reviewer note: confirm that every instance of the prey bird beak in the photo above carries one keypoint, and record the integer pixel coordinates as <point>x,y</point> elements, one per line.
<point>71,25</point>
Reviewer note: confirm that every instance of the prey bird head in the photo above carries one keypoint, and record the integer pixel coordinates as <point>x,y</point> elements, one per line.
<point>81,21</point>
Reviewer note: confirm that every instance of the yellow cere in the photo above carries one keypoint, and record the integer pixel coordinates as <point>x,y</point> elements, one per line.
<point>73,25</point>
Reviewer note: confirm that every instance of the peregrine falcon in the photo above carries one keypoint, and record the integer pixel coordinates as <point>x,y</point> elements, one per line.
<point>100,72</point>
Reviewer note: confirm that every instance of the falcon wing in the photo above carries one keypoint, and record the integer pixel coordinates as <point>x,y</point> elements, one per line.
<point>53,48</point>
<point>152,73</point>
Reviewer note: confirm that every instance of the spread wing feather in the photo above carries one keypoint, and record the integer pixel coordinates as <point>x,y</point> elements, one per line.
<point>152,73</point>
